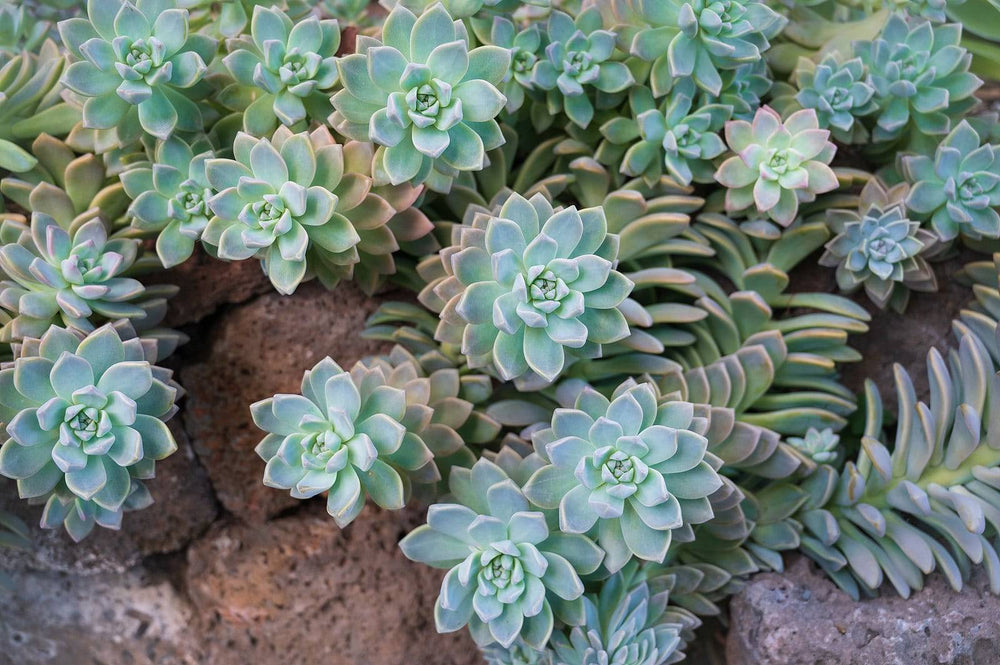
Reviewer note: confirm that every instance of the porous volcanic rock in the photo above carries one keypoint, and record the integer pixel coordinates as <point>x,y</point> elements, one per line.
<point>300,590</point>
<point>256,350</point>
<point>206,284</point>
<point>183,508</point>
<point>800,618</point>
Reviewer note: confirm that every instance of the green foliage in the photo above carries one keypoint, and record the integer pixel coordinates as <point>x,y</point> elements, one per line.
<point>85,420</point>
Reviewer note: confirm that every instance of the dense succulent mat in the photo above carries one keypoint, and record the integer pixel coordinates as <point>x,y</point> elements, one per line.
<point>606,387</point>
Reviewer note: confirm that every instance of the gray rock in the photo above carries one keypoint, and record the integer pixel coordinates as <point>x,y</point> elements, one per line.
<point>117,619</point>
<point>256,350</point>
<point>801,618</point>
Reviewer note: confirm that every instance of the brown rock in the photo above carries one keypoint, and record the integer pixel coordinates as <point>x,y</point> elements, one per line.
<point>118,619</point>
<point>801,618</point>
<point>300,590</point>
<point>257,350</point>
<point>207,283</point>
<point>183,509</point>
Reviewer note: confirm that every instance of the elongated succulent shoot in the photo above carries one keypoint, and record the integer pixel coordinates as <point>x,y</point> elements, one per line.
<point>86,424</point>
<point>777,164</point>
<point>135,62</point>
<point>424,97</point>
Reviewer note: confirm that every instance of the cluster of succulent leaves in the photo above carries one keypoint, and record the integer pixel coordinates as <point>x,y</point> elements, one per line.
<point>603,380</point>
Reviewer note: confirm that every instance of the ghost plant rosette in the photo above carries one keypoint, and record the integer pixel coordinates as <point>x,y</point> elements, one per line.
<point>879,248</point>
<point>54,276</point>
<point>624,470</point>
<point>509,575</point>
<point>290,65</point>
<point>289,202</point>
<point>85,419</point>
<point>170,197</point>
<point>533,287</point>
<point>137,64</point>
<point>343,435</point>
<point>428,101</point>
<point>777,164</point>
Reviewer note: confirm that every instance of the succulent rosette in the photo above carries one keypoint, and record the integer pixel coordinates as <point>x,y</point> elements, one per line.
<point>343,435</point>
<point>959,187</point>
<point>289,202</point>
<point>921,78</point>
<point>819,445</point>
<point>170,197</point>
<point>878,247</point>
<point>85,418</point>
<point>837,90</point>
<point>54,276</point>
<point>626,623</point>
<point>428,101</point>
<point>531,288</point>
<point>698,38</point>
<point>777,164</point>
<point>742,89</point>
<point>525,48</point>
<point>292,65</point>
<point>623,469</point>
<point>674,137</point>
<point>136,67</point>
<point>509,575</point>
<point>579,60</point>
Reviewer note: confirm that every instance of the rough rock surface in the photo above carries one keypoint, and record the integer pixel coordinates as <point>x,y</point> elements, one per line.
<point>255,351</point>
<point>801,618</point>
<point>206,284</point>
<point>184,507</point>
<point>302,591</point>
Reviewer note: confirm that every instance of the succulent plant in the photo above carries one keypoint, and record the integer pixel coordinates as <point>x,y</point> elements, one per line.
<point>697,38</point>
<point>19,30</point>
<point>518,653</point>
<point>959,187</point>
<point>676,136</point>
<point>625,624</point>
<point>509,575</point>
<point>625,466</point>
<point>424,97</point>
<point>530,286</point>
<point>525,51</point>
<point>921,78</point>
<point>170,197</point>
<point>71,278</point>
<point>289,202</point>
<point>442,408</point>
<point>836,88</point>
<point>343,435</point>
<point>290,66</point>
<point>777,164</point>
<point>135,65</point>
<point>30,104</point>
<point>69,187</point>
<point>578,58</point>
<point>878,247</point>
<point>85,418</point>
<point>818,445</point>
<point>742,89</point>
<point>465,8</point>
